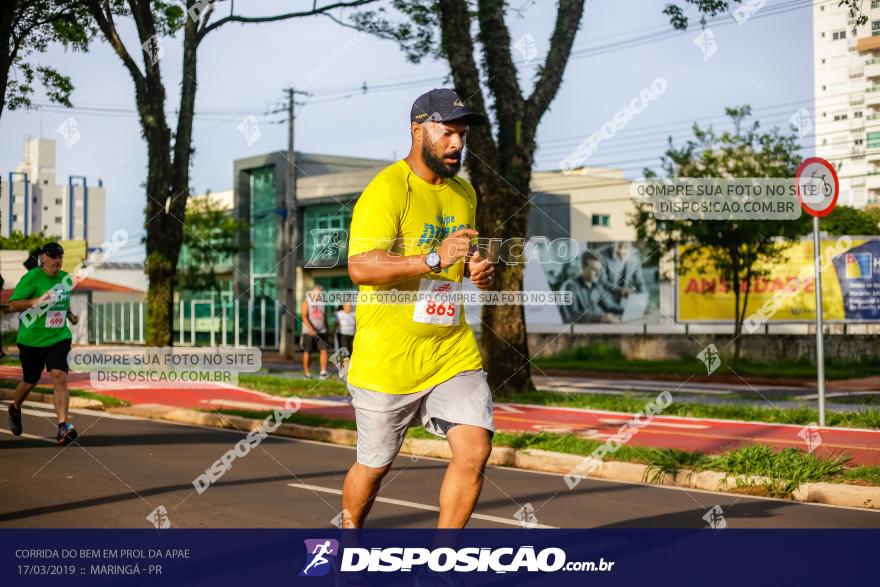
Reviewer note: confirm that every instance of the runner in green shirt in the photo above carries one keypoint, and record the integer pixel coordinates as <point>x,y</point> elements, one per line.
<point>43,298</point>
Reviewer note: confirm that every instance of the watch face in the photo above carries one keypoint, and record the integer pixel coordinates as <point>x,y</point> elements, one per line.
<point>433,259</point>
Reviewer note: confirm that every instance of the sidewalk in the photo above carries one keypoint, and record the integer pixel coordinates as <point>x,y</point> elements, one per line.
<point>707,435</point>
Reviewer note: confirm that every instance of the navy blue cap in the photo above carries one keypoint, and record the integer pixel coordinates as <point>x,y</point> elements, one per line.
<point>443,105</point>
<point>53,250</point>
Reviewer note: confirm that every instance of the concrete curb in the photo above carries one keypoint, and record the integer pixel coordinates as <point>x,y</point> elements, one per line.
<point>47,398</point>
<point>838,494</point>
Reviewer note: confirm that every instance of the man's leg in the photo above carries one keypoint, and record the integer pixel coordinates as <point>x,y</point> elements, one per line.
<point>61,394</point>
<point>359,492</point>
<point>21,392</point>
<point>306,363</point>
<point>471,447</point>
<point>323,360</point>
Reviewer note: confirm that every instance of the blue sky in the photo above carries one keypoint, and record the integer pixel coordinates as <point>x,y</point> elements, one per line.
<point>766,62</point>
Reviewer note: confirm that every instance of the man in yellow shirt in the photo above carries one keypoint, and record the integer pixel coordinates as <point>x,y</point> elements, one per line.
<point>419,363</point>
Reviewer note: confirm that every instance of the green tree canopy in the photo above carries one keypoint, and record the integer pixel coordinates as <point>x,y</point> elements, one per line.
<point>740,250</point>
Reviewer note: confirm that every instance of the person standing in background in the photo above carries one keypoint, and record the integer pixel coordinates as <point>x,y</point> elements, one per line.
<point>345,327</point>
<point>314,336</point>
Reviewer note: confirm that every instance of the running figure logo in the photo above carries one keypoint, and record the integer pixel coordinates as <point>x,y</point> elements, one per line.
<point>320,557</point>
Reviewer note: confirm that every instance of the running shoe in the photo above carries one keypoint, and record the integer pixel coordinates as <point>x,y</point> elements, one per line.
<point>323,375</point>
<point>66,433</point>
<point>15,420</point>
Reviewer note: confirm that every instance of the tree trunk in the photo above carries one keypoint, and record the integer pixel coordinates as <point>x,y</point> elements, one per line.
<point>161,258</point>
<point>166,213</point>
<point>503,332</point>
<point>742,316</point>
<point>737,317</point>
<point>7,16</point>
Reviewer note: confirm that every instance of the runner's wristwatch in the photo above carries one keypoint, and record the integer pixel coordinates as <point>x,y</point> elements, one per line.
<point>432,260</point>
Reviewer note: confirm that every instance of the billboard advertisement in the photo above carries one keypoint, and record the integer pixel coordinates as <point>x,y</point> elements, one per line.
<point>610,282</point>
<point>850,286</point>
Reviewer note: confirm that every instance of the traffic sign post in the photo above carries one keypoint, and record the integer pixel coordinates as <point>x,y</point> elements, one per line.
<point>817,190</point>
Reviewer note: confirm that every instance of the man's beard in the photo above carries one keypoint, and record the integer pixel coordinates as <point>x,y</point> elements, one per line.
<point>437,165</point>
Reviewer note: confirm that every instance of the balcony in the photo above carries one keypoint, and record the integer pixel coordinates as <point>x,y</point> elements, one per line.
<point>872,180</point>
<point>872,70</point>
<point>868,44</point>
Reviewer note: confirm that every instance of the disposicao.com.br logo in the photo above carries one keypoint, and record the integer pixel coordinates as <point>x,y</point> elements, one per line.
<point>323,552</point>
<point>320,557</point>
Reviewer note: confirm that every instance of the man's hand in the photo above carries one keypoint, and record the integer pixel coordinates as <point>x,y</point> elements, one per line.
<point>74,319</point>
<point>482,271</point>
<point>455,247</point>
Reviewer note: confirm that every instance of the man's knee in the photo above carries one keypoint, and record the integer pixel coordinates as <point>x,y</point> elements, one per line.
<point>372,473</point>
<point>58,376</point>
<point>474,454</point>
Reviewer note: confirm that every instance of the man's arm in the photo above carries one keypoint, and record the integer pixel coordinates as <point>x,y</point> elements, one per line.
<point>304,314</point>
<point>379,267</point>
<point>21,298</point>
<point>21,305</point>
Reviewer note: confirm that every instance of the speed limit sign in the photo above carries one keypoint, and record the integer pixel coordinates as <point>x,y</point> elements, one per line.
<point>817,186</point>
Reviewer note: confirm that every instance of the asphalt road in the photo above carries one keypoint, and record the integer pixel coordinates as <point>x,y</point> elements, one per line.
<point>125,468</point>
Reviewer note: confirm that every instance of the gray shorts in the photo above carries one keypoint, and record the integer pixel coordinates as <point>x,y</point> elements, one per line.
<point>383,418</point>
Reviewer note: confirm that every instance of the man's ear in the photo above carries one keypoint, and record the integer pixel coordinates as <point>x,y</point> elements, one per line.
<point>416,131</point>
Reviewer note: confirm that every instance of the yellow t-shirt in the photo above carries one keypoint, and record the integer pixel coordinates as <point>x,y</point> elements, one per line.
<point>404,214</point>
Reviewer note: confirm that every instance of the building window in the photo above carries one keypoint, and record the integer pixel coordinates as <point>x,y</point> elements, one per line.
<point>840,116</point>
<point>874,140</point>
<point>601,220</point>
<point>57,201</point>
<point>838,35</point>
<point>857,114</point>
<point>326,232</point>
<point>264,226</point>
<point>859,141</point>
<point>58,220</point>
<point>15,217</point>
<point>875,28</point>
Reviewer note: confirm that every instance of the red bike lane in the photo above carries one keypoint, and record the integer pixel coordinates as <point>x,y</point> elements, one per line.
<point>707,435</point>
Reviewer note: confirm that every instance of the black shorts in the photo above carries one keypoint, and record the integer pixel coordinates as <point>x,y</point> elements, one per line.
<point>312,344</point>
<point>36,358</point>
<point>346,341</point>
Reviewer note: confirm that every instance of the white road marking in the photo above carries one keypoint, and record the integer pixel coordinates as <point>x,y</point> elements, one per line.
<point>617,422</point>
<point>26,435</point>
<point>507,408</point>
<point>419,506</point>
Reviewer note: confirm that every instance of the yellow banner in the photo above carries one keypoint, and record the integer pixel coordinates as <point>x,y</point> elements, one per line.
<point>74,254</point>
<point>788,292</point>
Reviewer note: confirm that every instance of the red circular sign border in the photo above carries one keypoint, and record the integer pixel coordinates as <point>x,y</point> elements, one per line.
<point>830,168</point>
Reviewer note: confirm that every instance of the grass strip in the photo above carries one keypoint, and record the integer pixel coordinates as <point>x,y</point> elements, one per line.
<point>609,358</point>
<point>628,403</point>
<point>786,469</point>
<point>289,386</point>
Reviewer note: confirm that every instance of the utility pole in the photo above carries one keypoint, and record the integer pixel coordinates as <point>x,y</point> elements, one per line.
<point>290,236</point>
